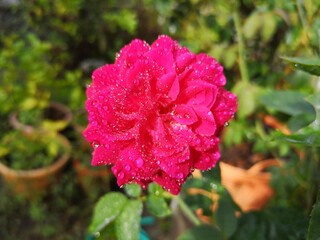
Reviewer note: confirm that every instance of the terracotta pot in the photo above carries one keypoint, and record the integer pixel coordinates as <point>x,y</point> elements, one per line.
<point>249,188</point>
<point>31,183</point>
<point>58,115</point>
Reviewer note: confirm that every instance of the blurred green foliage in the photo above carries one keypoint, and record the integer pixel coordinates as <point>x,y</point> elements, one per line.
<point>19,151</point>
<point>270,52</point>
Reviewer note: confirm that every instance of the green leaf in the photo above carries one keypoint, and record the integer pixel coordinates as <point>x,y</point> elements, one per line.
<point>226,218</point>
<point>133,189</point>
<point>269,26</point>
<point>315,101</point>
<point>291,103</point>
<point>247,98</point>
<point>106,210</point>
<point>128,222</point>
<point>311,66</point>
<point>4,151</point>
<point>28,103</point>
<point>308,137</point>
<point>314,225</point>
<point>53,125</point>
<point>299,121</point>
<point>288,102</point>
<point>213,174</point>
<point>252,25</point>
<point>108,232</point>
<point>155,189</point>
<point>158,206</point>
<point>203,232</point>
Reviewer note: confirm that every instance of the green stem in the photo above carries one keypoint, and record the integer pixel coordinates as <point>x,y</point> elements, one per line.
<point>241,47</point>
<point>304,23</point>
<point>302,15</point>
<point>187,211</point>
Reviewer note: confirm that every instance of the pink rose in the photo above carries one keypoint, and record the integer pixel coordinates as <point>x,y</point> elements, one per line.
<point>157,112</point>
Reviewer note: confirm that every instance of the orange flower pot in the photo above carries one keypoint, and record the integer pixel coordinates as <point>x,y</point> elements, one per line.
<point>31,183</point>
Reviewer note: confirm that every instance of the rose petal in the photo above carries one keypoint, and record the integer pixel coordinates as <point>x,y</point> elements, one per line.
<point>129,54</point>
<point>105,76</point>
<point>184,114</point>
<point>225,107</point>
<point>175,165</point>
<point>184,60</point>
<point>162,53</point>
<point>199,93</point>
<point>206,125</point>
<point>171,185</point>
<point>168,84</point>
<point>206,160</point>
<point>102,155</point>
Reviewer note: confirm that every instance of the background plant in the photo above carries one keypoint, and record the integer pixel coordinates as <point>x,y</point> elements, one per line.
<point>66,40</point>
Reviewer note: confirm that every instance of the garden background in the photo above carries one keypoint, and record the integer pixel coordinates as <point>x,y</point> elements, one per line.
<point>270,53</point>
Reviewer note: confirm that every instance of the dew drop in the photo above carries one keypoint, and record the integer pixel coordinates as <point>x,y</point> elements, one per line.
<point>127,168</point>
<point>139,162</point>
<point>121,175</point>
<point>179,175</point>
<point>95,145</point>
<point>96,234</point>
<point>226,124</point>
<point>214,186</point>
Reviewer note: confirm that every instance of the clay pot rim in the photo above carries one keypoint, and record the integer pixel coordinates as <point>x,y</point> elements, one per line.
<point>39,172</point>
<point>14,122</point>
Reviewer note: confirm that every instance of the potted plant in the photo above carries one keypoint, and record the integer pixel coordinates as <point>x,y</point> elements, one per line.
<point>29,76</point>
<point>30,163</point>
<point>54,116</point>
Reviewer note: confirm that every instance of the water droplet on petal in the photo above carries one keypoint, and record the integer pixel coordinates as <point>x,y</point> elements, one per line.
<point>139,162</point>
<point>127,168</point>
<point>226,124</point>
<point>121,175</point>
<point>179,175</point>
<point>95,144</point>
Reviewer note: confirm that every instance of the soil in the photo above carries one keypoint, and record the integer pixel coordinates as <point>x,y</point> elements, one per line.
<point>241,156</point>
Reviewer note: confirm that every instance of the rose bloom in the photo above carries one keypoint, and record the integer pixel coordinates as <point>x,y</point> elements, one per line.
<point>157,112</point>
